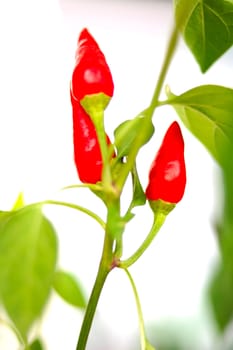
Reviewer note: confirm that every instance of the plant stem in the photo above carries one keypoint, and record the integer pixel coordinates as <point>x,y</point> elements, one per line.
<point>120,181</point>
<point>98,120</point>
<point>104,269</point>
<point>69,205</point>
<point>115,228</point>
<point>159,219</point>
<point>163,72</point>
<point>90,186</point>
<point>150,110</point>
<point>139,310</point>
<point>16,332</point>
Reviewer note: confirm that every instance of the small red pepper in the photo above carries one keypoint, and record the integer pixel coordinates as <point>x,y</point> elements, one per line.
<point>91,74</point>
<point>87,153</point>
<point>167,176</point>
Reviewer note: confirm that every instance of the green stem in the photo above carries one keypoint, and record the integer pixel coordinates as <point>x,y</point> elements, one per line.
<point>98,120</point>
<point>159,219</point>
<point>69,205</point>
<point>166,64</point>
<point>104,269</point>
<point>120,181</point>
<point>139,310</point>
<point>150,110</point>
<point>118,248</point>
<point>15,331</point>
<point>90,186</point>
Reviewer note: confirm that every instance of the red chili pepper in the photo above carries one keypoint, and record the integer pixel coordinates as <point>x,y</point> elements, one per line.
<point>87,154</point>
<point>167,176</point>
<point>91,74</point>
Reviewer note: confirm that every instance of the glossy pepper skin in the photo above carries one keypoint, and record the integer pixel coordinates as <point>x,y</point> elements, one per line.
<point>167,176</point>
<point>91,74</point>
<point>87,154</point>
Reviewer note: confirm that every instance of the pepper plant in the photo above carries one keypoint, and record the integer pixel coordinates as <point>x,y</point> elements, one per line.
<point>28,240</point>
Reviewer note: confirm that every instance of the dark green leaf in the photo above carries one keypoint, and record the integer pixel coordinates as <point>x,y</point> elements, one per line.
<point>36,345</point>
<point>207,28</point>
<point>221,296</point>
<point>67,286</point>
<point>28,252</point>
<point>126,133</point>
<point>139,197</point>
<point>207,112</point>
<point>221,288</point>
<point>227,224</point>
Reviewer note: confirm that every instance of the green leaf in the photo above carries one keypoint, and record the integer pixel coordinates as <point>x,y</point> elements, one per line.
<point>69,289</point>
<point>126,133</point>
<point>207,28</point>
<point>227,217</point>
<point>221,297</point>
<point>207,112</point>
<point>36,345</point>
<point>28,253</point>
<point>138,198</point>
<point>4,217</point>
<point>221,286</point>
<point>149,346</point>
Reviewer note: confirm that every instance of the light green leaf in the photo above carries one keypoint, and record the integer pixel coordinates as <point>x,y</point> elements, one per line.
<point>4,217</point>
<point>126,133</point>
<point>28,253</point>
<point>207,111</point>
<point>69,289</point>
<point>149,346</point>
<point>207,28</point>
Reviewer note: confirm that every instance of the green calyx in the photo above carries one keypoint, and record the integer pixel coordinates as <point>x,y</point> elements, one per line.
<point>95,103</point>
<point>160,206</point>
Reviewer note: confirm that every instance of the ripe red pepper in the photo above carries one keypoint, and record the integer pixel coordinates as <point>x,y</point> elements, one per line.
<point>91,74</point>
<point>87,153</point>
<point>167,176</point>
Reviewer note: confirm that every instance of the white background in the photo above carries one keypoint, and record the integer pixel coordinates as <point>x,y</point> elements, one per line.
<point>38,41</point>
